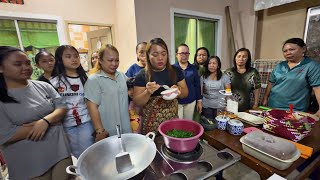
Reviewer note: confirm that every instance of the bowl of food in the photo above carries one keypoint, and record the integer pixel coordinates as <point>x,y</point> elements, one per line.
<point>170,94</point>
<point>180,135</point>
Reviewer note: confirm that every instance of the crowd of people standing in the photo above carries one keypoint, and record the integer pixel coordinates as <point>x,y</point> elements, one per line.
<point>66,110</point>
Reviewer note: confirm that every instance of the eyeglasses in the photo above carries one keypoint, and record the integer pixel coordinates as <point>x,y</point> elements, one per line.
<point>184,53</point>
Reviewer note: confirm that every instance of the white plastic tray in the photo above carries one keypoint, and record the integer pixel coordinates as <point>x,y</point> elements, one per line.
<point>249,118</point>
<point>268,159</point>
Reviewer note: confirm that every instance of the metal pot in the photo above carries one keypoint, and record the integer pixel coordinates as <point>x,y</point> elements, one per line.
<point>98,161</point>
<point>181,145</point>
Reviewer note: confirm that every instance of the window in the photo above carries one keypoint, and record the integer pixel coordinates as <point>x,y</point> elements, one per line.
<point>29,36</point>
<point>312,31</point>
<point>196,30</point>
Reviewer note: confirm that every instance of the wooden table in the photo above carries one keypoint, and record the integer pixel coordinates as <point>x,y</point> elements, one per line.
<point>222,139</point>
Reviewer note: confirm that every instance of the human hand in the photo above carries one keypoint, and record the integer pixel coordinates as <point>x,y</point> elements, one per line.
<point>101,136</point>
<point>175,86</point>
<point>199,106</point>
<point>255,106</point>
<point>38,130</point>
<point>29,124</point>
<point>265,102</point>
<point>152,87</point>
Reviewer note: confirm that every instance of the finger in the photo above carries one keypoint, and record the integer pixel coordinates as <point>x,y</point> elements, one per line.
<point>35,136</point>
<point>42,135</point>
<point>38,136</point>
<point>30,134</point>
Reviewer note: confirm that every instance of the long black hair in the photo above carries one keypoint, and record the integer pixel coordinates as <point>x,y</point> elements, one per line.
<point>248,63</point>
<point>59,69</point>
<point>207,72</point>
<point>149,72</point>
<point>40,54</point>
<point>5,51</point>
<point>196,54</point>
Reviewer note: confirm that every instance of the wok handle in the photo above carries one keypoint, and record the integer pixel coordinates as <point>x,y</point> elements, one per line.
<point>118,131</point>
<point>120,140</point>
<point>153,135</point>
<point>68,170</point>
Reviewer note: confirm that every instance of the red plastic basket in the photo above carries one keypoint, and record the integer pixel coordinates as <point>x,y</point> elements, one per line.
<point>280,122</point>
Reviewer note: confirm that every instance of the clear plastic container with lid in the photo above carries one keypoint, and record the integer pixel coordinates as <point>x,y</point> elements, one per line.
<point>275,151</point>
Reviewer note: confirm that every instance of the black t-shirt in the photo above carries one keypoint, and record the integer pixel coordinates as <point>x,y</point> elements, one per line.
<point>161,78</point>
<point>42,78</point>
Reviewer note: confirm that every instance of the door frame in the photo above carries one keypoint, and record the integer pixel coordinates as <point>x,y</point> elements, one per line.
<point>89,24</point>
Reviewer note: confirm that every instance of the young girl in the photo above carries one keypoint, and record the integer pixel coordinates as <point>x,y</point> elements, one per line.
<point>94,58</point>
<point>212,82</point>
<point>69,79</point>
<point>45,61</point>
<point>107,95</point>
<point>141,58</point>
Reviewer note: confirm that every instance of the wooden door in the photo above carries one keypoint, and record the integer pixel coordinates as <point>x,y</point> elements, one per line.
<point>98,39</point>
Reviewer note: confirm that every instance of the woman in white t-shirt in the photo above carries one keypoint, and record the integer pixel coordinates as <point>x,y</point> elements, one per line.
<point>212,82</point>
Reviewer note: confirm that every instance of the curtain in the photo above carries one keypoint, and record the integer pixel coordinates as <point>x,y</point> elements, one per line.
<point>8,33</point>
<point>206,35</point>
<point>185,32</point>
<point>38,34</point>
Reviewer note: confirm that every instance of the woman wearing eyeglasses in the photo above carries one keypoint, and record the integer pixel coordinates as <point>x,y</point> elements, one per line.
<point>244,80</point>
<point>186,105</point>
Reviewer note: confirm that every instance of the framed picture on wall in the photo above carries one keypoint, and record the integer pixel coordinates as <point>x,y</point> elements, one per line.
<point>311,33</point>
<point>12,1</point>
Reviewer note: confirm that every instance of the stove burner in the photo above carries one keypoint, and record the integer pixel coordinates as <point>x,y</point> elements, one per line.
<point>183,157</point>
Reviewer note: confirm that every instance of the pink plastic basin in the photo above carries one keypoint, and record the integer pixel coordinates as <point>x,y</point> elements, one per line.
<point>181,145</point>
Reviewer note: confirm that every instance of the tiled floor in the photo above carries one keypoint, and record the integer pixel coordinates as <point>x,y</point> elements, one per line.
<point>240,171</point>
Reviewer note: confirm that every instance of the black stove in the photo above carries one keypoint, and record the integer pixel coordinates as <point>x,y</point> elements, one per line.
<point>201,163</point>
<point>182,157</point>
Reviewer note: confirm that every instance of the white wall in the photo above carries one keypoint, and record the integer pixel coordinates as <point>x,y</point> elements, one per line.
<point>126,35</point>
<point>153,19</point>
<point>97,11</point>
<point>118,13</point>
<point>141,20</point>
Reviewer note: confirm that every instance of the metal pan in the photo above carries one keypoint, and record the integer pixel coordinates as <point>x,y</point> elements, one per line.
<point>98,161</point>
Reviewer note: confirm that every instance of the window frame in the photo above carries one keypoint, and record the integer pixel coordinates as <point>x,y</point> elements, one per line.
<point>16,16</point>
<point>198,15</point>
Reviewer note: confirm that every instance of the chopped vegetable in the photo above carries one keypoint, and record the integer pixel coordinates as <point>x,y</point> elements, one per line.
<point>179,133</point>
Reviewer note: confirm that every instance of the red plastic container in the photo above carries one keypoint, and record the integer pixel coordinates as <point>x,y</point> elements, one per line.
<point>181,145</point>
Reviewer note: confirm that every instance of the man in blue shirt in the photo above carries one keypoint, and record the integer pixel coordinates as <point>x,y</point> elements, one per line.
<point>187,105</point>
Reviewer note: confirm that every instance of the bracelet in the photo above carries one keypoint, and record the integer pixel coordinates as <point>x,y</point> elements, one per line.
<point>46,120</point>
<point>101,131</point>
